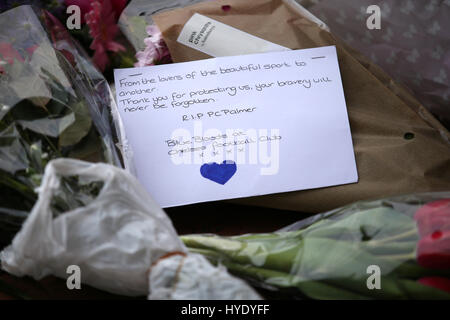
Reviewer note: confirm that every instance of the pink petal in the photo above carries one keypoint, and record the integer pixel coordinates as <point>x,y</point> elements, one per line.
<point>114,46</point>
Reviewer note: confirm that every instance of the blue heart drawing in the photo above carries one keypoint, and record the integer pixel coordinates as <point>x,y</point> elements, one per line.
<point>219,173</point>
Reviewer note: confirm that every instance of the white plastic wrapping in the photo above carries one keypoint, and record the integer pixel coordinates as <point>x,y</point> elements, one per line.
<point>193,277</point>
<point>119,238</point>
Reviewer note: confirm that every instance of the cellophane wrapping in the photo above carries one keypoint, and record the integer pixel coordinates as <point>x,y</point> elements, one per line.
<point>116,234</point>
<point>137,16</point>
<point>395,248</point>
<point>53,103</point>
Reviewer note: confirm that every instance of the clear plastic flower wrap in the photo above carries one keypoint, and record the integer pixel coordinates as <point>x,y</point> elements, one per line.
<point>137,17</point>
<point>53,103</point>
<point>397,248</point>
<point>99,218</point>
<point>137,25</point>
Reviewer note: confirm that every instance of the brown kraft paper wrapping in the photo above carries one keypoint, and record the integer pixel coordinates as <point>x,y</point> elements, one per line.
<point>380,111</point>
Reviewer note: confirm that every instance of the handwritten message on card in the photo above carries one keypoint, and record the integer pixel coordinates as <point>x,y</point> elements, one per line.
<point>237,126</point>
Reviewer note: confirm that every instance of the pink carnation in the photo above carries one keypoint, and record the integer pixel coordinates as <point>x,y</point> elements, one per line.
<point>155,49</point>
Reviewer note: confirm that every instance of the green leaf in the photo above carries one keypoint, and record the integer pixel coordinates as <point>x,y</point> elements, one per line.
<point>13,155</point>
<point>44,58</point>
<point>371,224</point>
<point>80,128</point>
<point>90,149</point>
<point>27,84</point>
<point>51,127</point>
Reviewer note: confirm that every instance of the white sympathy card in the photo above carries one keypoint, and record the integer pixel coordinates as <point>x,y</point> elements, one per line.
<point>238,126</point>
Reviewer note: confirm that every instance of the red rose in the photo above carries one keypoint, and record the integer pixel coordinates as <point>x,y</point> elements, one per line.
<point>436,282</point>
<point>433,216</point>
<point>433,251</point>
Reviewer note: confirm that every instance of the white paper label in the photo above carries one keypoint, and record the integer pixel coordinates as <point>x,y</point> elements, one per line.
<point>241,126</point>
<point>217,39</point>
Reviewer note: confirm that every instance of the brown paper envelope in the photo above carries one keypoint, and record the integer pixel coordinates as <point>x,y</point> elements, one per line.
<point>381,112</point>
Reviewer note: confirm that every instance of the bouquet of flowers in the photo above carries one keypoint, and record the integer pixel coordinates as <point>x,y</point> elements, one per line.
<point>53,103</point>
<point>395,248</point>
<point>116,234</point>
<point>96,28</point>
